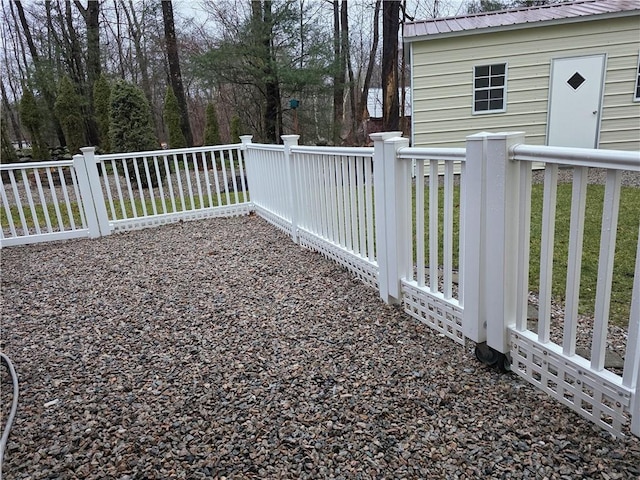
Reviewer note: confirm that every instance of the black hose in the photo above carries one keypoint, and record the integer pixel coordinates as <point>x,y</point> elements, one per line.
<point>14,408</point>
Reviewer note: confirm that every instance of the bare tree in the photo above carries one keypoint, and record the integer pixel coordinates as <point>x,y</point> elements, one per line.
<point>390,29</point>
<point>175,74</point>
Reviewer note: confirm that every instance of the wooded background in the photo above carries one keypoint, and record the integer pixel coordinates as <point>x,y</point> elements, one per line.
<point>136,75</point>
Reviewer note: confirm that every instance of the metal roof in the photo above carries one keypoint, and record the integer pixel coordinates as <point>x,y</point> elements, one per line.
<point>577,11</point>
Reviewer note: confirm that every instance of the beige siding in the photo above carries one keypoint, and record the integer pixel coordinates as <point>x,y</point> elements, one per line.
<point>443,70</point>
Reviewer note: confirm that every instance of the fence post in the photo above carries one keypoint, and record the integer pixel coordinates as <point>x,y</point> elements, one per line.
<point>491,262</point>
<point>248,166</point>
<point>89,155</point>
<point>291,141</point>
<point>474,326</point>
<point>80,168</point>
<point>502,201</point>
<point>246,140</point>
<point>391,181</point>
<point>631,371</point>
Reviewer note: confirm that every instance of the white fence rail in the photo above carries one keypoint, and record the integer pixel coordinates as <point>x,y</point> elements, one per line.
<point>151,188</point>
<point>453,249</point>
<point>94,195</point>
<point>42,202</point>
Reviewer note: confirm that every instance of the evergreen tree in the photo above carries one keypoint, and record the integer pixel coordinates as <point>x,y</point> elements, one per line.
<point>32,120</point>
<point>7,153</point>
<point>236,129</point>
<point>101,96</point>
<point>68,109</point>
<point>211,129</point>
<point>172,120</point>
<point>131,128</point>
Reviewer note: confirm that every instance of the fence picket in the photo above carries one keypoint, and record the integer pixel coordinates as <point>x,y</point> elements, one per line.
<point>574,265</point>
<point>54,199</point>
<point>605,267</point>
<point>32,208</point>
<point>546,250</point>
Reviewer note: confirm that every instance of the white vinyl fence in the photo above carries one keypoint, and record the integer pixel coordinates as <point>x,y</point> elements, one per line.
<point>465,271</point>
<point>95,195</point>
<point>443,232</point>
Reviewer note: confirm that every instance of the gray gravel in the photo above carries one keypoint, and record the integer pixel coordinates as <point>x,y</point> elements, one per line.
<point>219,349</point>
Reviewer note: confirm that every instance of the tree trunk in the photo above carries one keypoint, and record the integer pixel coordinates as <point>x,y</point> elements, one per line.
<point>91,15</point>
<point>338,75</point>
<point>273,114</point>
<point>390,28</point>
<point>362,104</point>
<point>174,68</point>
<point>15,125</point>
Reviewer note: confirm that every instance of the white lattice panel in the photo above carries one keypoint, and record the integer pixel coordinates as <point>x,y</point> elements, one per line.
<point>366,271</point>
<point>438,313</point>
<point>275,220</point>
<point>597,396</point>
<point>157,220</point>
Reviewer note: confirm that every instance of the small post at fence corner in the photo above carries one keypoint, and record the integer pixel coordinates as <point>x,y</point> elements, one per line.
<point>89,154</point>
<point>246,140</point>
<point>91,193</point>
<point>292,141</point>
<point>391,182</point>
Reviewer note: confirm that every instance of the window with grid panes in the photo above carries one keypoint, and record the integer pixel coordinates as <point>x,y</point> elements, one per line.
<point>489,88</point>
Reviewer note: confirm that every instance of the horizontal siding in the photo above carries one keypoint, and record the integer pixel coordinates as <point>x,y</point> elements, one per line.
<point>442,78</point>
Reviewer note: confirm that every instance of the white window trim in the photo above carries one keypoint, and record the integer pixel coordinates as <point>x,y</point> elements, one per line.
<point>473,88</point>
<point>637,82</point>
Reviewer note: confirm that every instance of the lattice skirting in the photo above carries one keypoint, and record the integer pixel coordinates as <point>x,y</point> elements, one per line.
<point>157,220</point>
<point>440,314</point>
<point>597,396</point>
<point>363,269</point>
<point>274,219</point>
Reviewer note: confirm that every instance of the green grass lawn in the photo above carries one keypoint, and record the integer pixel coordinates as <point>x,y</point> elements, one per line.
<point>625,254</point>
<point>129,209</point>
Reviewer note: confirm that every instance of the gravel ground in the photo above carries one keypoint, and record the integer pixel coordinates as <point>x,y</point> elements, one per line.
<point>219,349</point>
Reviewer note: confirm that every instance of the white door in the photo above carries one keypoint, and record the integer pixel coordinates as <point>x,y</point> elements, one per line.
<point>575,100</point>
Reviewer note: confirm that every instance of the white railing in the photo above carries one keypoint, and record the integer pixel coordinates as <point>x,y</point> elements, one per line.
<point>94,195</point>
<point>431,289</point>
<point>42,201</point>
<point>456,257</point>
<point>579,382</point>
<point>270,183</point>
<point>321,196</point>
<point>156,187</point>
<point>496,275</point>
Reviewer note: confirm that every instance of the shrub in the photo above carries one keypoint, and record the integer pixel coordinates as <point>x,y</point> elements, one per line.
<point>172,120</point>
<point>68,109</point>
<point>101,98</point>
<point>31,118</point>
<point>211,129</point>
<point>131,127</point>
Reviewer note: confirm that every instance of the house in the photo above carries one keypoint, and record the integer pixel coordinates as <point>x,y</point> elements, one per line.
<point>566,74</point>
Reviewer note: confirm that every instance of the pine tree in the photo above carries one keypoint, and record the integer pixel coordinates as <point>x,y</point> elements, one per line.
<point>68,109</point>
<point>131,129</point>
<point>211,129</point>
<point>32,120</point>
<point>172,120</point>
<point>236,129</point>
<point>101,97</point>
<point>8,152</point>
